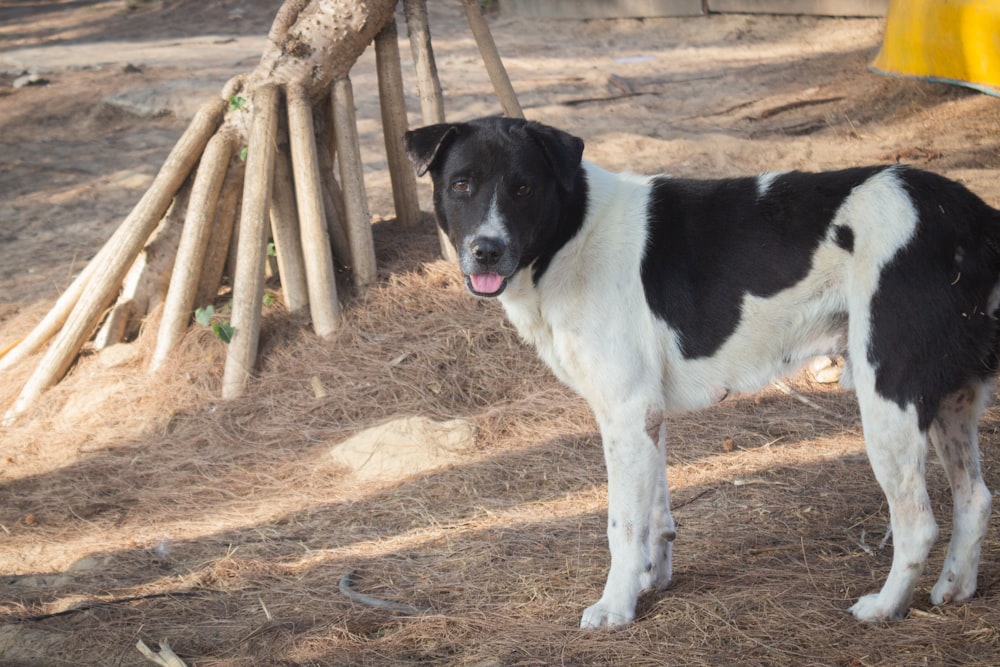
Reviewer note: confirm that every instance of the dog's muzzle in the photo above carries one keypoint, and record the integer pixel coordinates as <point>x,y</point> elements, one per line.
<point>485,266</point>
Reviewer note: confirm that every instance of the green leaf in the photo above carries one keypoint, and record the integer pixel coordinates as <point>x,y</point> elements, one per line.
<point>271,251</point>
<point>269,299</point>
<point>224,331</point>
<point>203,316</point>
<point>243,154</point>
<point>237,103</point>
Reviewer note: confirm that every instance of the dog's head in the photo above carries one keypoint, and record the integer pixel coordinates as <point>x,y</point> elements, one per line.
<point>500,188</point>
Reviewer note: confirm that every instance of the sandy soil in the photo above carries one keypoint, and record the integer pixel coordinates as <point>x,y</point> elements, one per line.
<point>135,508</point>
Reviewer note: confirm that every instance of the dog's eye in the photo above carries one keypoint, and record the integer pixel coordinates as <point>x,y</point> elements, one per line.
<point>523,191</point>
<point>461,186</point>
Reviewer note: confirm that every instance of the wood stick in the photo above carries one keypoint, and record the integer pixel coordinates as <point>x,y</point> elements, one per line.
<point>491,58</point>
<point>428,85</point>
<point>287,240</point>
<point>165,657</point>
<point>234,241</point>
<point>112,331</point>
<point>333,197</point>
<point>226,213</point>
<point>145,284</point>
<point>101,603</point>
<point>392,101</point>
<point>320,277</point>
<point>107,277</point>
<point>359,228</point>
<point>179,303</point>
<point>248,282</point>
<point>270,261</point>
<point>336,214</point>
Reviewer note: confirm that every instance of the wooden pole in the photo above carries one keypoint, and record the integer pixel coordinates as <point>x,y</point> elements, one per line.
<point>226,214</point>
<point>107,277</point>
<point>359,228</point>
<point>221,259</point>
<point>145,284</point>
<point>392,101</point>
<point>333,197</point>
<point>320,277</point>
<point>428,85</point>
<point>491,58</point>
<point>179,303</point>
<point>287,239</point>
<point>234,241</point>
<point>248,281</point>
<point>336,214</point>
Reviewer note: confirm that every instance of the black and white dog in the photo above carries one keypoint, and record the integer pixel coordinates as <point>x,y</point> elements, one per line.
<point>651,295</point>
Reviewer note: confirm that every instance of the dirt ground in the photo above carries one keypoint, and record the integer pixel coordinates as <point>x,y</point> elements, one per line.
<point>144,508</point>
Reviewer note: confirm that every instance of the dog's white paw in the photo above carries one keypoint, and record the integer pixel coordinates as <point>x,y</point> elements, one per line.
<point>604,615</point>
<point>952,588</point>
<point>867,609</point>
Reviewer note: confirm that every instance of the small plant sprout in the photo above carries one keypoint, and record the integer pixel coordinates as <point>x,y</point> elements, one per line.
<point>203,316</point>
<point>222,330</point>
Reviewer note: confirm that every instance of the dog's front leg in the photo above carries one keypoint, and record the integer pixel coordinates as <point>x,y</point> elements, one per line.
<point>640,527</point>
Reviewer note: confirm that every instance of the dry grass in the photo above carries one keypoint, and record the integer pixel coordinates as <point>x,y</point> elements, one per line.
<point>223,529</point>
<point>135,507</point>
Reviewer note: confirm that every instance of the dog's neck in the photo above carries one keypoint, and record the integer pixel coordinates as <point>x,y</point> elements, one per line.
<point>535,299</point>
<point>571,219</point>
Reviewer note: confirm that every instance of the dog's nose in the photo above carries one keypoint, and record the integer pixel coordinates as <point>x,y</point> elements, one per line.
<point>487,250</point>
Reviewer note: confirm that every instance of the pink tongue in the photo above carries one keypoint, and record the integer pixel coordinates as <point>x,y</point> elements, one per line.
<point>486,283</point>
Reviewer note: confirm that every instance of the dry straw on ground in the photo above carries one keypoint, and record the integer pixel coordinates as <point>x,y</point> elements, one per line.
<point>135,508</point>
<point>225,529</point>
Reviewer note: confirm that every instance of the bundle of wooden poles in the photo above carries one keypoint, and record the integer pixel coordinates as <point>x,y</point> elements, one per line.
<point>174,247</point>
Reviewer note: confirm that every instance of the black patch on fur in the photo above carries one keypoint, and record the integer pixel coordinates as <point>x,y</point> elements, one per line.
<point>844,237</point>
<point>931,334</point>
<point>570,219</point>
<point>713,242</point>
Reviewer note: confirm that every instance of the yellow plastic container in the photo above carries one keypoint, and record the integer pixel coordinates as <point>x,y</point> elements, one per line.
<point>954,41</point>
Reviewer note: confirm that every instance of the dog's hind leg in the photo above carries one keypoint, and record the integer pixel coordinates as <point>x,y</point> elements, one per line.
<point>897,450</point>
<point>637,513</point>
<point>662,528</point>
<point>954,433</point>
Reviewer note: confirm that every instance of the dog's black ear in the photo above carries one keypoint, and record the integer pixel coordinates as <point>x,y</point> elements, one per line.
<point>425,144</point>
<point>562,150</point>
